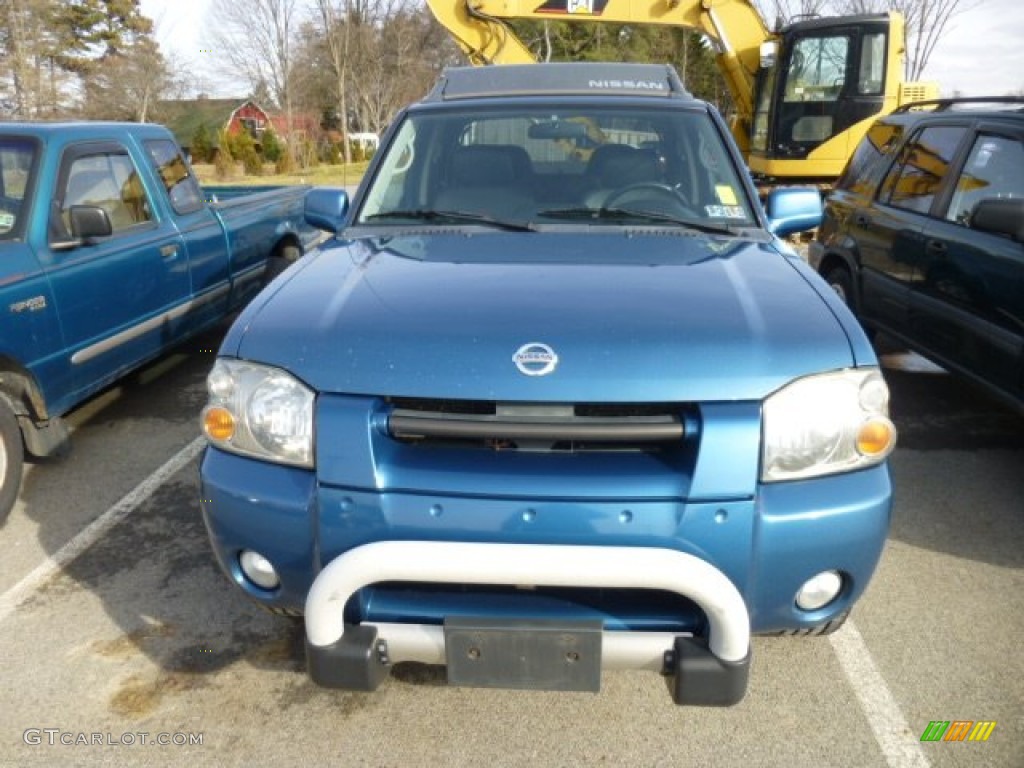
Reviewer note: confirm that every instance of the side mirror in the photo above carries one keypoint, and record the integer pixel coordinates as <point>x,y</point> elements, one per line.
<point>89,222</point>
<point>793,210</point>
<point>1000,216</point>
<point>326,208</point>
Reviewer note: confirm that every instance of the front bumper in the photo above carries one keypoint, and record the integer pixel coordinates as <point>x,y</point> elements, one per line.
<point>765,547</point>
<point>357,656</point>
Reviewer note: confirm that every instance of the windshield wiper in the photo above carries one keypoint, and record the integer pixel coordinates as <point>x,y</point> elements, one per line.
<point>622,214</point>
<point>426,214</point>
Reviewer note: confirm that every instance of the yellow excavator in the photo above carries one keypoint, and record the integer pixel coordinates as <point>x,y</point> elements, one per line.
<point>804,95</point>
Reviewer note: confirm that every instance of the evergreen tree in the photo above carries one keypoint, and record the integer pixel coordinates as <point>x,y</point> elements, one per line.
<point>92,31</point>
<point>202,144</point>
<point>272,147</point>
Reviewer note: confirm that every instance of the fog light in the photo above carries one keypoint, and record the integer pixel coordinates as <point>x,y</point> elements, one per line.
<point>258,569</point>
<point>818,591</point>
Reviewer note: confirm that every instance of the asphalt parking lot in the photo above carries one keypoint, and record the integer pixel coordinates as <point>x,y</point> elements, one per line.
<point>123,644</point>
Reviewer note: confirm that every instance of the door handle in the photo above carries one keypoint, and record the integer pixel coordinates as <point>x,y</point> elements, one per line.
<point>936,248</point>
<point>168,252</point>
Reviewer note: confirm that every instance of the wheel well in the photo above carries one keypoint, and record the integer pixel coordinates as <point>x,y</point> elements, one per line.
<point>284,243</point>
<point>833,261</point>
<point>41,434</point>
<point>21,391</point>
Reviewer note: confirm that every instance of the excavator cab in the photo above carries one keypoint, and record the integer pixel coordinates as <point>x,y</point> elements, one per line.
<point>826,76</point>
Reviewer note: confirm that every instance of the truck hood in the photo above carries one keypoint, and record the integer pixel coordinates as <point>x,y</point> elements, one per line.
<point>632,317</point>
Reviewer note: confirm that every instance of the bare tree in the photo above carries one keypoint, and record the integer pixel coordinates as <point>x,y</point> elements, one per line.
<point>778,13</point>
<point>32,85</point>
<point>401,50</point>
<point>364,59</point>
<point>256,39</point>
<point>125,85</point>
<point>15,74</point>
<point>926,22</point>
<point>336,31</point>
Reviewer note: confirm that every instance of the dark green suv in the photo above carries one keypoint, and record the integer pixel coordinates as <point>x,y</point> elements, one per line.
<point>924,236</point>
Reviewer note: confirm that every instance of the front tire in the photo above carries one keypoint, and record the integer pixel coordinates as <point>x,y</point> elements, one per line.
<point>12,459</point>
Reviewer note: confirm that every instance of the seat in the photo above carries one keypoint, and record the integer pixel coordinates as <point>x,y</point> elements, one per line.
<point>491,179</point>
<point>487,165</point>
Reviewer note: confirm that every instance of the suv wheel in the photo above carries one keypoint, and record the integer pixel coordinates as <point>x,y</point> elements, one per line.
<point>841,281</point>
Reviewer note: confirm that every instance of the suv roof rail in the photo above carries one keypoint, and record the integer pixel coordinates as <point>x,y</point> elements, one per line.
<point>558,79</point>
<point>942,105</point>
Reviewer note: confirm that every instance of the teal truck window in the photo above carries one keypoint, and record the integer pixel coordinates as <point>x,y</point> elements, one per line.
<point>182,187</point>
<point>110,181</point>
<point>16,161</point>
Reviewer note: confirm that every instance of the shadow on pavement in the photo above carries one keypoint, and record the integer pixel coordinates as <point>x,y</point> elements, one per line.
<point>153,572</point>
<point>958,467</point>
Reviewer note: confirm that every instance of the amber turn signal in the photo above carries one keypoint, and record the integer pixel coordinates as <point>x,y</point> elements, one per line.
<point>875,437</point>
<point>218,423</point>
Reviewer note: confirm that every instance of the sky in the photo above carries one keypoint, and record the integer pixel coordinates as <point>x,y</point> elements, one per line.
<point>981,53</point>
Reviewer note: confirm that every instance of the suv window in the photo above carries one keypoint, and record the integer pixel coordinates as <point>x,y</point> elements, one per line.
<point>915,179</point>
<point>994,168</point>
<point>867,164</point>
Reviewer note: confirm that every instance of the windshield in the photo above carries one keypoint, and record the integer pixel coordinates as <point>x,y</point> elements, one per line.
<point>527,167</point>
<point>17,159</point>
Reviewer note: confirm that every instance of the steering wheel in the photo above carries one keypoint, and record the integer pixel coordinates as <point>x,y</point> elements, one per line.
<point>649,191</point>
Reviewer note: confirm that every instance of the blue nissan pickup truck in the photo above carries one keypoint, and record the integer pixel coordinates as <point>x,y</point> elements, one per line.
<point>110,254</point>
<point>555,399</point>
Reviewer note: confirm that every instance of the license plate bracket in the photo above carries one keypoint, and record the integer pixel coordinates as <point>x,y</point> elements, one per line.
<point>535,654</point>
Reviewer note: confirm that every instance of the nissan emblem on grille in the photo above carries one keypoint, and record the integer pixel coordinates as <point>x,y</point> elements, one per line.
<point>535,359</point>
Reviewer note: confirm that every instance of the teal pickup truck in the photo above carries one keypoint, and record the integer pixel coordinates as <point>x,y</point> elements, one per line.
<point>111,253</point>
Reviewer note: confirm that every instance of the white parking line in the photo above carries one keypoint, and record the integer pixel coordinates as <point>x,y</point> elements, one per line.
<point>17,594</point>
<point>895,738</point>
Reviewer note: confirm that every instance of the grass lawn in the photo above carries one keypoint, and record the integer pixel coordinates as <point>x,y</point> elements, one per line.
<point>321,176</point>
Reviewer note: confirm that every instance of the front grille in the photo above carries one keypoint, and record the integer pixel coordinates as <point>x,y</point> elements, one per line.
<point>537,426</point>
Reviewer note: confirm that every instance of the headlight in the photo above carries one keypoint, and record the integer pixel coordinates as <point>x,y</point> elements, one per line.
<point>821,425</point>
<point>259,411</point>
